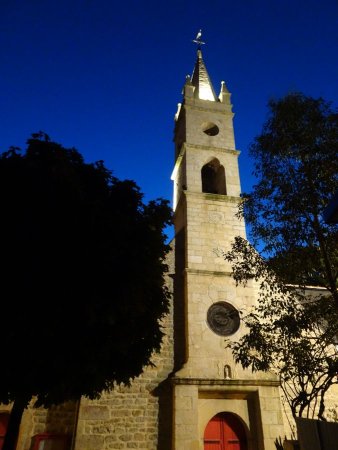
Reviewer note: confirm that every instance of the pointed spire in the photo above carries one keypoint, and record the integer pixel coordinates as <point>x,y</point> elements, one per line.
<point>224,95</point>
<point>201,80</point>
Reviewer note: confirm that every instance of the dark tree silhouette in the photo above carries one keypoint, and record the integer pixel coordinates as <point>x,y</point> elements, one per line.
<point>82,277</point>
<point>296,164</point>
<point>290,332</point>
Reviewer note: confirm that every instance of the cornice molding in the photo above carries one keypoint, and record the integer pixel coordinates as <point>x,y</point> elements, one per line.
<point>216,197</point>
<point>215,382</point>
<point>210,148</point>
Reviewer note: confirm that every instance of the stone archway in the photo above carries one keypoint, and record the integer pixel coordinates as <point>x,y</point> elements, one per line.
<point>213,178</point>
<point>225,432</point>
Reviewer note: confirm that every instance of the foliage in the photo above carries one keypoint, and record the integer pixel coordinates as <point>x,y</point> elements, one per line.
<point>292,330</point>
<point>82,275</point>
<point>296,164</point>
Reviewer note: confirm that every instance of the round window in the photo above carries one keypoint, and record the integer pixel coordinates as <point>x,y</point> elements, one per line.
<point>209,128</point>
<point>223,318</point>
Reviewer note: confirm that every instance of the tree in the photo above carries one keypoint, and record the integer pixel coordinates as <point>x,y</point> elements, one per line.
<point>290,332</point>
<point>82,277</point>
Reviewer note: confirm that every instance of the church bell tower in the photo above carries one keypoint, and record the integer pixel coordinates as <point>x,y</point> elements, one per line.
<point>206,197</point>
<point>207,303</point>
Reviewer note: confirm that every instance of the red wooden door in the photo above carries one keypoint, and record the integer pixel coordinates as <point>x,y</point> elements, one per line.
<point>225,432</point>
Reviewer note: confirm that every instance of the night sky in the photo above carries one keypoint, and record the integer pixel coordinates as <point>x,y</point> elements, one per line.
<point>105,76</point>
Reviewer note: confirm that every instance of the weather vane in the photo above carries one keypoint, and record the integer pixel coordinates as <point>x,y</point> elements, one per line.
<point>198,40</point>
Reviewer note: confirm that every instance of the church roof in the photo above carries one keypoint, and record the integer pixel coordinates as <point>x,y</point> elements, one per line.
<point>201,80</point>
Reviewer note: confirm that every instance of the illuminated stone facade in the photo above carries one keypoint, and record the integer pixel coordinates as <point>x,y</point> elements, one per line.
<point>207,381</point>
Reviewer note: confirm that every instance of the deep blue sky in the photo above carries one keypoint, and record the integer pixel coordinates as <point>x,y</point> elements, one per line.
<point>105,76</point>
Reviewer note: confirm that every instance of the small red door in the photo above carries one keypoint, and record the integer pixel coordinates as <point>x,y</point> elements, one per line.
<point>49,441</point>
<point>4,419</point>
<point>225,432</point>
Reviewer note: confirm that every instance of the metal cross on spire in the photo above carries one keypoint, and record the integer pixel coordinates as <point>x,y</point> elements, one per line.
<point>198,40</point>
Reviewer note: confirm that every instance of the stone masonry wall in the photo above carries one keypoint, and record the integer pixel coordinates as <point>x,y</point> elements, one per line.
<point>331,412</point>
<point>56,420</point>
<point>131,417</point>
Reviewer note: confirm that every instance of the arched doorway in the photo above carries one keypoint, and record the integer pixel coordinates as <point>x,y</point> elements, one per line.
<point>225,432</point>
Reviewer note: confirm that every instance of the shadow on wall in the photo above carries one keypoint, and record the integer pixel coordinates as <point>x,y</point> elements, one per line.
<point>59,427</point>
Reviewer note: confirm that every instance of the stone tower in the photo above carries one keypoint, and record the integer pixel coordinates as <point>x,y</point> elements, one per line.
<point>207,383</point>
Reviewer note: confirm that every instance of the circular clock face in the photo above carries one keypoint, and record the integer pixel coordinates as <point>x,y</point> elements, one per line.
<point>223,318</point>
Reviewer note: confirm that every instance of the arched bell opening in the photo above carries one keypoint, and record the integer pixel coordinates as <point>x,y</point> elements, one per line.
<point>213,178</point>
<point>225,431</point>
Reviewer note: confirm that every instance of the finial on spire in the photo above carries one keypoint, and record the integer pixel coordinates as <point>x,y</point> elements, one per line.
<point>198,40</point>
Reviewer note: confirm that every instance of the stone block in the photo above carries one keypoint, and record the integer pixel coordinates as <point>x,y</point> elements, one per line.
<point>95,412</point>
<point>90,443</point>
